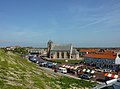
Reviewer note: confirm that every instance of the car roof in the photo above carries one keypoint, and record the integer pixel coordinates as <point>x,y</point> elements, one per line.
<point>61,68</point>
<point>85,74</point>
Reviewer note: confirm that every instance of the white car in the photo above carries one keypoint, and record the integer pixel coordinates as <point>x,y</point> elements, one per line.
<point>100,70</point>
<point>62,70</point>
<point>107,70</point>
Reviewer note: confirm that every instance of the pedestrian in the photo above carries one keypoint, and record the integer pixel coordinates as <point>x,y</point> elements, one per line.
<point>106,79</point>
<point>105,82</point>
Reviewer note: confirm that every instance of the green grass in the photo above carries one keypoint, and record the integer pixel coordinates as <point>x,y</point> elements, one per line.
<point>18,73</point>
<point>63,61</point>
<point>69,82</point>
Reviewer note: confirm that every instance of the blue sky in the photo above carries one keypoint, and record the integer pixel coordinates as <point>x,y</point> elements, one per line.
<point>84,23</point>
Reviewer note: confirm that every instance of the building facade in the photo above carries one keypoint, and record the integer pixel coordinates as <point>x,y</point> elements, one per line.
<point>103,60</point>
<point>37,52</point>
<point>83,52</point>
<point>62,51</point>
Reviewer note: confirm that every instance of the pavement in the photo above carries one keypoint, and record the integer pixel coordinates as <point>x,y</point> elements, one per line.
<point>99,86</point>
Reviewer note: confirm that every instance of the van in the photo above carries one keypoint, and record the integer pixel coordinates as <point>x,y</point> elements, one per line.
<point>62,70</point>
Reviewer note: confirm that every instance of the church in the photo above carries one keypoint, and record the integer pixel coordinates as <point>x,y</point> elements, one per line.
<point>61,51</point>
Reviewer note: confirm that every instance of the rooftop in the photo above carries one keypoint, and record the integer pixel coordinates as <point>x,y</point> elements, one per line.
<point>88,50</point>
<point>74,51</point>
<point>61,47</point>
<point>101,55</point>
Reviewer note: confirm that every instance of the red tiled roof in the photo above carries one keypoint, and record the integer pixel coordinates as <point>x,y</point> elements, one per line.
<point>101,55</point>
<point>88,50</point>
<point>107,52</point>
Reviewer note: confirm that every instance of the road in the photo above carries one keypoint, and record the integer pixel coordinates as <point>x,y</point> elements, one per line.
<point>98,75</point>
<point>99,84</point>
<point>67,75</point>
<point>58,73</point>
<point>51,71</point>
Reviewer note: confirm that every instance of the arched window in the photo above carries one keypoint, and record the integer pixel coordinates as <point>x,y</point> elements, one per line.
<point>57,54</point>
<point>62,54</point>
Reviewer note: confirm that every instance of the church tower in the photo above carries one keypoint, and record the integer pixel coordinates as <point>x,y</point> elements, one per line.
<point>49,46</point>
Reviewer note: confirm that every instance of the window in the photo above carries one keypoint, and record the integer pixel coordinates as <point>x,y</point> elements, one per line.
<point>57,54</point>
<point>62,54</point>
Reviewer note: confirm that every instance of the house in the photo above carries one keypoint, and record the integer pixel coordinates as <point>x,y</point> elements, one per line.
<point>105,60</point>
<point>82,52</point>
<point>37,51</point>
<point>62,51</point>
<point>11,48</point>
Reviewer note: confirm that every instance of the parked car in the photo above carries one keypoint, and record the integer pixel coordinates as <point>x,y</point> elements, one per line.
<point>84,76</point>
<point>80,75</point>
<point>33,59</point>
<point>49,64</point>
<point>43,64</point>
<point>39,62</point>
<point>62,70</point>
<point>107,70</point>
<point>100,70</point>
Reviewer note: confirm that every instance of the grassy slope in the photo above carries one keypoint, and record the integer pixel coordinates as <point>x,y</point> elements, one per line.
<point>18,73</point>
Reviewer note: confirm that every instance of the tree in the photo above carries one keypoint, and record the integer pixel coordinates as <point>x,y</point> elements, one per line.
<point>21,50</point>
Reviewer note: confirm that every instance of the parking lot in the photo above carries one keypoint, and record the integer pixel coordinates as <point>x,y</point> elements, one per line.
<point>75,70</point>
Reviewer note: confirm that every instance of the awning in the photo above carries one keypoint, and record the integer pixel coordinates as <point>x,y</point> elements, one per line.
<point>63,65</point>
<point>89,71</point>
<point>92,71</point>
<point>70,67</point>
<point>66,66</point>
<point>76,67</point>
<point>112,75</point>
